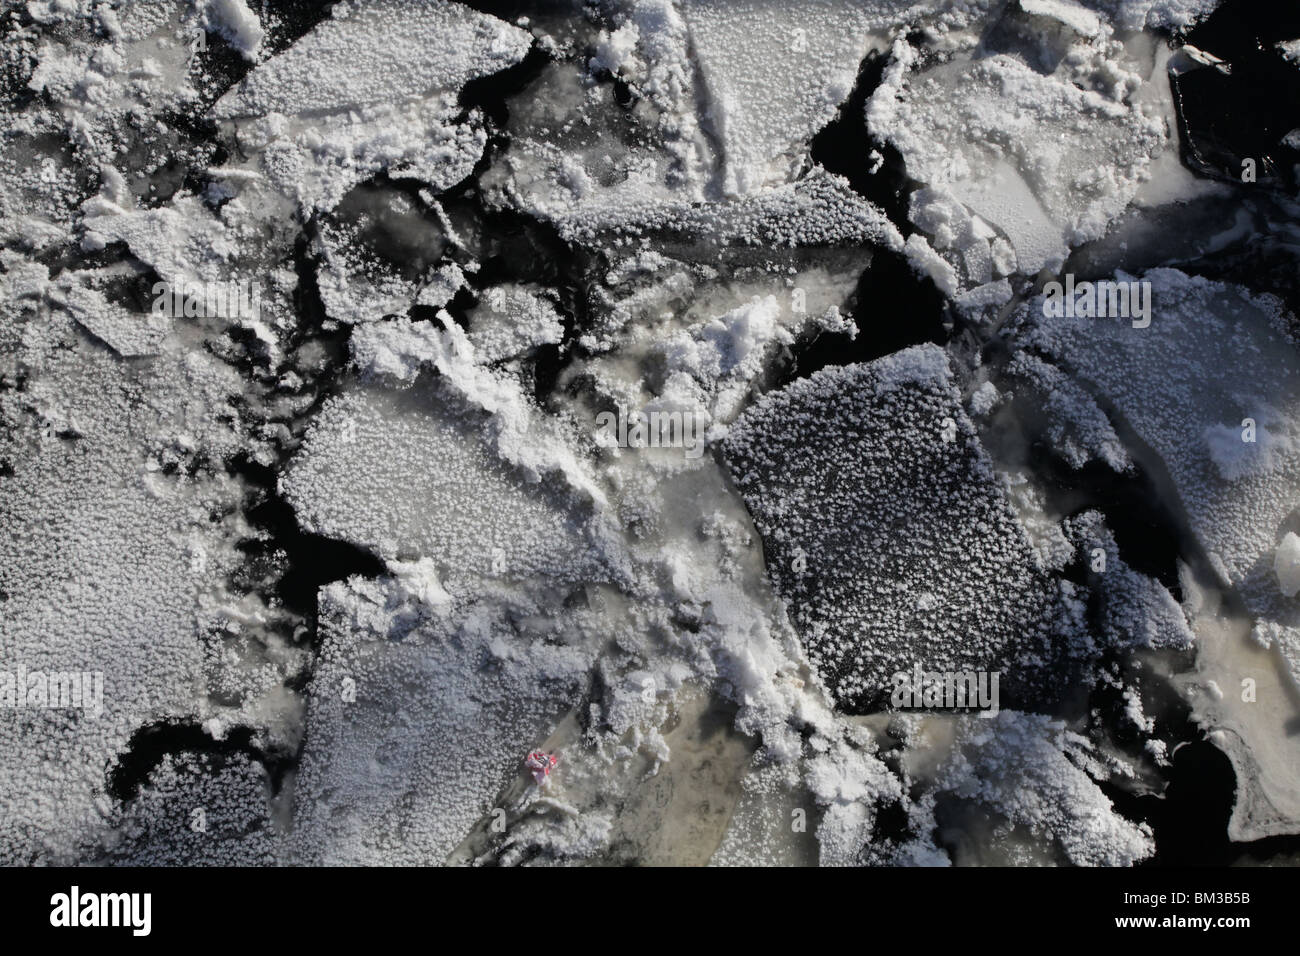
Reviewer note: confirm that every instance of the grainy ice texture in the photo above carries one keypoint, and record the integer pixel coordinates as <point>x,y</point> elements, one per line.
<point>888,534</point>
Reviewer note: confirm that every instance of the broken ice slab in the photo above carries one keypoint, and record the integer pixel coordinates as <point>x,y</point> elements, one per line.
<point>806,244</point>
<point>182,241</point>
<point>1016,149</point>
<point>574,152</point>
<point>1072,421</point>
<point>419,715</point>
<point>377,247</point>
<point>1213,388</point>
<point>819,210</point>
<point>579,159</point>
<point>1030,771</point>
<point>131,334</point>
<point>401,474</point>
<point>373,87</point>
<point>511,320</point>
<point>773,74</point>
<point>887,533</point>
<point>380,51</point>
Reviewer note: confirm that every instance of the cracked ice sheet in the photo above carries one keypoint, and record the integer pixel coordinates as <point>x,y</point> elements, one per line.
<point>582,160</point>
<point>1214,356</point>
<point>772,74</point>
<point>733,338</point>
<point>697,321</point>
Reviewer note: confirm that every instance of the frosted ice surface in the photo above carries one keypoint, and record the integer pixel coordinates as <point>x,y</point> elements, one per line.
<point>128,333</point>
<point>373,87</point>
<point>1136,610</point>
<point>419,716</point>
<point>105,560</point>
<point>377,248</point>
<point>209,810</point>
<point>512,320</point>
<point>377,51</point>
<point>1135,14</point>
<point>1213,358</point>
<point>345,562</point>
<point>1077,427</point>
<point>819,209</point>
<point>872,491</point>
<point>1020,765</point>
<point>774,75</point>
<point>395,473</point>
<point>1047,161</point>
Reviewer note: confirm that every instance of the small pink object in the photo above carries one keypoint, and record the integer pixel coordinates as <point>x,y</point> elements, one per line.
<point>541,764</point>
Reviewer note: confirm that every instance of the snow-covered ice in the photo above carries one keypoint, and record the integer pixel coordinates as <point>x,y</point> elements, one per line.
<point>304,577</point>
